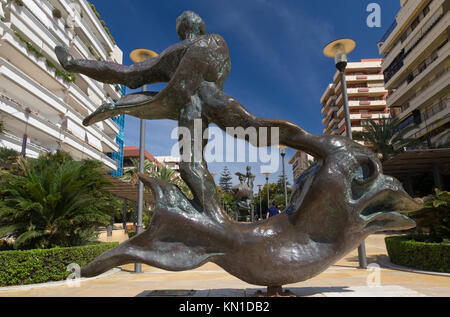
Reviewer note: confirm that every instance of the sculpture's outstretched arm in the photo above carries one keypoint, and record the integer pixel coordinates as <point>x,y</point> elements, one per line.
<point>150,71</point>
<point>227,112</point>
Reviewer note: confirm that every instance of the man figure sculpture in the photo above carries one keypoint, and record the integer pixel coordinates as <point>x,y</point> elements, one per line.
<point>344,201</point>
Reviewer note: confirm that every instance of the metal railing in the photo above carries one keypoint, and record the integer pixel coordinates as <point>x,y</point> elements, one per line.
<point>388,32</point>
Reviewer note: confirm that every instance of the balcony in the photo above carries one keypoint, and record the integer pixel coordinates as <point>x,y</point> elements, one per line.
<point>404,16</point>
<point>10,141</point>
<point>431,124</point>
<point>416,46</point>
<point>15,51</point>
<point>364,78</point>
<point>432,89</point>
<point>96,138</point>
<point>112,91</point>
<point>43,12</point>
<point>28,91</point>
<point>365,116</point>
<point>407,87</point>
<point>79,50</point>
<point>83,150</point>
<point>329,118</point>
<point>372,92</point>
<point>97,26</point>
<point>328,91</point>
<point>84,29</point>
<point>50,134</point>
<point>388,32</point>
<point>26,23</point>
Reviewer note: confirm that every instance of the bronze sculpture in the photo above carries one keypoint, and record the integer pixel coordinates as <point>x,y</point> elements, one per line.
<point>243,195</point>
<point>334,206</point>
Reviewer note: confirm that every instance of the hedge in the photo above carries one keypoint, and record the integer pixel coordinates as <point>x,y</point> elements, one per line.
<point>433,257</point>
<point>42,266</point>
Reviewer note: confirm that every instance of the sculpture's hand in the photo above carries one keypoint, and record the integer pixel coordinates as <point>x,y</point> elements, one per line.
<point>64,58</point>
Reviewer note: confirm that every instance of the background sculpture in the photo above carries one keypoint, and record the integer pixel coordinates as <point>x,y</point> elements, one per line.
<point>338,205</point>
<point>243,196</point>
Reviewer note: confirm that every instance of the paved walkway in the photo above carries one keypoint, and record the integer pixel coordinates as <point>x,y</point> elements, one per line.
<point>341,280</point>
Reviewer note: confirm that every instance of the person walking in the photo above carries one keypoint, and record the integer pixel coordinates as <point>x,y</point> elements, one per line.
<point>273,211</point>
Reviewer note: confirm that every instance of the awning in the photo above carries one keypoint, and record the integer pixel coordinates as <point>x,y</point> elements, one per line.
<point>124,190</point>
<point>417,162</point>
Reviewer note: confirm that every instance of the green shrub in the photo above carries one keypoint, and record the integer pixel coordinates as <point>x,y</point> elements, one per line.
<point>54,201</point>
<point>434,217</point>
<point>8,156</point>
<point>42,266</point>
<point>131,233</point>
<point>406,251</point>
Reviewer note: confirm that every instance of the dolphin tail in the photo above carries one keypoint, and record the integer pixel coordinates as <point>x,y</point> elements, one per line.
<point>175,240</point>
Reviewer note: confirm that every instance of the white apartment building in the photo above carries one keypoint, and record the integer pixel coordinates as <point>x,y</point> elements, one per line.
<point>300,162</point>
<point>37,97</point>
<point>366,96</point>
<point>416,68</point>
<point>170,161</point>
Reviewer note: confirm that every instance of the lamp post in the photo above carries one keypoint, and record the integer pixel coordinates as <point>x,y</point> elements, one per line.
<point>214,176</point>
<point>138,56</point>
<point>283,156</point>
<point>267,184</point>
<point>260,202</point>
<point>338,50</point>
<point>25,135</point>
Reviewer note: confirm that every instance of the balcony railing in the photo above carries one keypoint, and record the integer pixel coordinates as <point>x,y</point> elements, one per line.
<point>388,32</point>
<point>397,64</point>
<point>33,146</point>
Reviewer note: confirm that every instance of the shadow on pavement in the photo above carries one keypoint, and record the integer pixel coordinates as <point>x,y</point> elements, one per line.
<point>298,292</point>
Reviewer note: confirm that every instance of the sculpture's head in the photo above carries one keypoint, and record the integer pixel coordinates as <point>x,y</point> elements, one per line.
<point>349,193</point>
<point>190,25</point>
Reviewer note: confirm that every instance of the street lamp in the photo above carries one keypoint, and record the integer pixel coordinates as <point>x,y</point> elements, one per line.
<point>283,156</point>
<point>338,50</point>
<point>213,176</point>
<point>267,184</point>
<point>138,56</point>
<point>25,135</point>
<point>260,202</point>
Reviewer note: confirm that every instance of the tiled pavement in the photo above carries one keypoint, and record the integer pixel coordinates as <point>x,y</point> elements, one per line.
<point>341,280</point>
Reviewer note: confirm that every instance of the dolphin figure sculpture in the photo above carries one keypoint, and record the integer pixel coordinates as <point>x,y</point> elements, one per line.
<point>334,206</point>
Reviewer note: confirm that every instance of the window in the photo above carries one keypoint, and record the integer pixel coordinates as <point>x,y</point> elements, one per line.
<point>415,23</point>
<point>422,66</point>
<point>410,78</point>
<point>426,10</point>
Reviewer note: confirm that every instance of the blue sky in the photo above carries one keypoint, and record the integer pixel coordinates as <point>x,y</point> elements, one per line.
<point>278,70</point>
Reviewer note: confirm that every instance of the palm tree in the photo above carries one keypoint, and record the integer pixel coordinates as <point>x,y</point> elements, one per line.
<point>8,156</point>
<point>383,137</point>
<point>54,201</point>
<point>131,175</point>
<point>162,172</point>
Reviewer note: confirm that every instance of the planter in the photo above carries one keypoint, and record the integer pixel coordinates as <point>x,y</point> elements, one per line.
<point>57,13</point>
<point>433,257</point>
<point>42,266</point>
